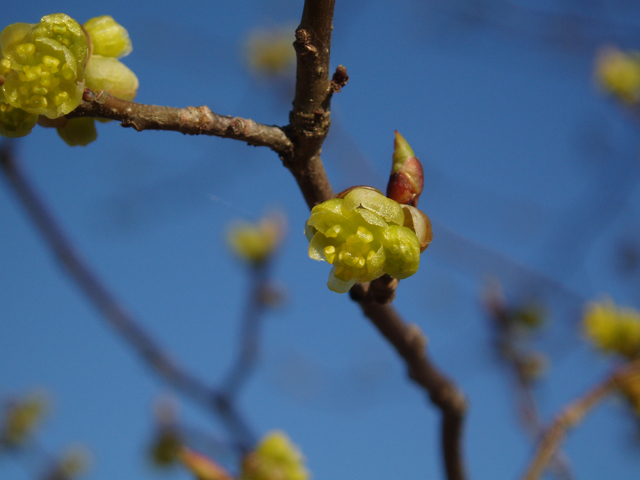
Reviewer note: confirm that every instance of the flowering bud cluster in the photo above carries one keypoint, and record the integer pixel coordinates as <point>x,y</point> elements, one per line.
<point>365,235</point>
<point>276,458</point>
<point>45,67</point>
<point>613,329</point>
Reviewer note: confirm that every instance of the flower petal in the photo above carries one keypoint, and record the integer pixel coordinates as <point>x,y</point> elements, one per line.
<point>371,200</point>
<point>402,251</point>
<point>337,285</point>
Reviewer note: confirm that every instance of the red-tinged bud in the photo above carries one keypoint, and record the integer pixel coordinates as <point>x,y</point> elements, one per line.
<point>203,467</point>
<point>407,178</point>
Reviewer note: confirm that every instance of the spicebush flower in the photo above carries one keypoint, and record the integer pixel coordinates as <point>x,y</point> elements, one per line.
<point>43,65</point>
<point>365,235</point>
<point>276,458</point>
<point>612,329</point>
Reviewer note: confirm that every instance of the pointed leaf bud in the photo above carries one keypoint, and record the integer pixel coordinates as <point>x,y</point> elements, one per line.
<point>110,74</point>
<point>109,38</point>
<point>79,131</point>
<point>407,178</point>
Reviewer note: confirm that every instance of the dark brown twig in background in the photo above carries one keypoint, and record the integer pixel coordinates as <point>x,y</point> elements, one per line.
<point>571,416</point>
<point>115,314</point>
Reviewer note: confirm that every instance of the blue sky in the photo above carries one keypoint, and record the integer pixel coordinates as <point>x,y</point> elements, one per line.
<point>531,177</point>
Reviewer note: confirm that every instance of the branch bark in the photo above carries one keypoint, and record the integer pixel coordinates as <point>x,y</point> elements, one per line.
<point>410,343</point>
<point>189,120</point>
<point>571,416</point>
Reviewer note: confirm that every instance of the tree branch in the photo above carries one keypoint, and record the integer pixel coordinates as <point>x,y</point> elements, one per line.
<point>310,117</point>
<point>189,120</point>
<point>410,343</point>
<point>309,126</point>
<point>571,416</point>
<point>115,314</point>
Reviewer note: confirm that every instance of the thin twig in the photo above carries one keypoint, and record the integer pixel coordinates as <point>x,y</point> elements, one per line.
<point>250,335</point>
<point>189,120</point>
<point>410,343</point>
<point>115,314</point>
<point>571,416</point>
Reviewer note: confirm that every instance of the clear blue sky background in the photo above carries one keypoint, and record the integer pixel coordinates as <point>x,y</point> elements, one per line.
<point>531,176</point>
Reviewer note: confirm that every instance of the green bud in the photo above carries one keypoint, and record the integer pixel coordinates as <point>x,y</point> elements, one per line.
<point>79,131</point>
<point>15,122</point>
<point>109,38</point>
<point>110,74</point>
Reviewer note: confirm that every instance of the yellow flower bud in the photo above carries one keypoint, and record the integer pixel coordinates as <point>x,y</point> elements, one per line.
<point>79,131</point>
<point>109,38</point>
<point>271,53</point>
<point>275,458</point>
<point>618,73</point>
<point>256,243</point>
<point>15,122</point>
<point>110,74</point>
<point>612,329</point>
<point>21,419</point>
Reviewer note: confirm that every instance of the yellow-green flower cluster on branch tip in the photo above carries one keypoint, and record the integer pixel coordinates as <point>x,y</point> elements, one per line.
<point>275,458</point>
<point>365,235</point>
<point>613,329</point>
<point>618,73</point>
<point>45,67</point>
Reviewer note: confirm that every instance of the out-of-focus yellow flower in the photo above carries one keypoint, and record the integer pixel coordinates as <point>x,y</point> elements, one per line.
<point>613,329</point>
<point>365,235</point>
<point>271,53</point>
<point>276,458</point>
<point>22,418</point>
<point>618,73</point>
<point>256,243</point>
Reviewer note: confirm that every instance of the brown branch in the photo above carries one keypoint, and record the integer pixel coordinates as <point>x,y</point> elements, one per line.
<point>115,314</point>
<point>310,117</point>
<point>410,343</point>
<point>189,120</point>
<point>309,126</point>
<point>571,416</point>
